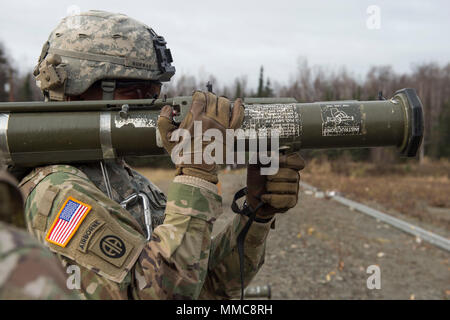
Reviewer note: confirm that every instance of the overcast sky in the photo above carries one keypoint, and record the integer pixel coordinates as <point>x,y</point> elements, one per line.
<point>231,38</point>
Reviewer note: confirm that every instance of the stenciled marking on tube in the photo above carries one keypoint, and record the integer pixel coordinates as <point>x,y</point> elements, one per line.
<point>263,118</point>
<point>341,119</point>
<point>136,121</point>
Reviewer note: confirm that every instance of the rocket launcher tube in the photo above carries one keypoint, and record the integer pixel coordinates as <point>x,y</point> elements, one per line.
<point>40,133</point>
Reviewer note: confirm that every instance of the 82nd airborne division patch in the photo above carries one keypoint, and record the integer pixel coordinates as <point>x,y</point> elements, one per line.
<point>69,218</point>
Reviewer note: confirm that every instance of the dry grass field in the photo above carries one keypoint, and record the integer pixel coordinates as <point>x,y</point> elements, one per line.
<point>420,192</point>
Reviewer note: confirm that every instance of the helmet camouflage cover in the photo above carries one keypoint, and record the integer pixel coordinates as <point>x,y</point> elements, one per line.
<point>97,45</point>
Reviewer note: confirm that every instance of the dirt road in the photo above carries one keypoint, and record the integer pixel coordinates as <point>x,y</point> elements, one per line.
<point>321,250</point>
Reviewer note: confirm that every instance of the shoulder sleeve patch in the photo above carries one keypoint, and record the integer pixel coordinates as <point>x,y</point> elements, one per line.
<point>67,222</point>
<point>94,232</point>
<point>111,247</point>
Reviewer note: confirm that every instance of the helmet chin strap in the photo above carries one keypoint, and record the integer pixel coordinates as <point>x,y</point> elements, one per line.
<point>108,87</point>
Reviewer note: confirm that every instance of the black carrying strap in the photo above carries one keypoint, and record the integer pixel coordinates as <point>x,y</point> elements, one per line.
<point>248,211</point>
<point>108,87</point>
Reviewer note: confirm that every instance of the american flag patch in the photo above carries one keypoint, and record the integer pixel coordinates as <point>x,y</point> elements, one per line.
<point>67,222</point>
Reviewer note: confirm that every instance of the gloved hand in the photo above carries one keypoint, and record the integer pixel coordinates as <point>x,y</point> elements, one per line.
<point>213,112</point>
<point>278,192</point>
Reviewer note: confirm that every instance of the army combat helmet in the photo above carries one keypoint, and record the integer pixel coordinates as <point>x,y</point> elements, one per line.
<point>98,45</point>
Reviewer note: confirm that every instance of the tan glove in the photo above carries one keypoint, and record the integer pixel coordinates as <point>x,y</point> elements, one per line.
<point>213,112</point>
<point>278,192</point>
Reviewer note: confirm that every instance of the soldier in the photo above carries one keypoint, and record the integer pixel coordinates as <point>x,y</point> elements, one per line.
<point>27,269</point>
<point>94,214</point>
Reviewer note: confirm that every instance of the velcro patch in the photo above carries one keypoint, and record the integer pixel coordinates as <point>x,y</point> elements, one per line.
<point>88,234</point>
<point>112,248</point>
<point>69,218</point>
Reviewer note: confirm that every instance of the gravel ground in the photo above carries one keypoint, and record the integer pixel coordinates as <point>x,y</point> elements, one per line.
<point>321,250</point>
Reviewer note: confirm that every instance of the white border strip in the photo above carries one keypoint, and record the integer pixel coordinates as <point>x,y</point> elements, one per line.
<point>428,236</point>
<point>105,135</point>
<point>5,155</point>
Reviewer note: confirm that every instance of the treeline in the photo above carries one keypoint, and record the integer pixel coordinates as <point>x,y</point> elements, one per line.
<point>307,84</point>
<point>13,85</point>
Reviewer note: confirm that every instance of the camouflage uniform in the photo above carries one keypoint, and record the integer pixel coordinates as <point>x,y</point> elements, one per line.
<point>27,269</point>
<point>181,260</point>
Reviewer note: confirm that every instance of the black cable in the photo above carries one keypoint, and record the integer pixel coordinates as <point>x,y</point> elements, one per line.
<point>248,211</point>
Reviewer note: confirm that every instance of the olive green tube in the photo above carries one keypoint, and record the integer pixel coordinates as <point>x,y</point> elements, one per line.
<point>41,133</point>
<point>67,137</point>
